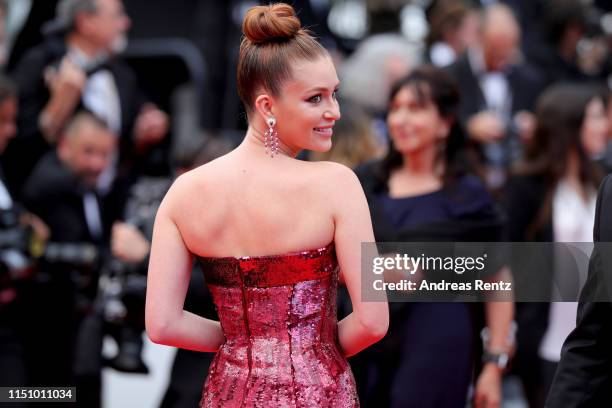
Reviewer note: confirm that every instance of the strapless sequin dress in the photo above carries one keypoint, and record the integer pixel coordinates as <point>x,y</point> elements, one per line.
<point>278,314</point>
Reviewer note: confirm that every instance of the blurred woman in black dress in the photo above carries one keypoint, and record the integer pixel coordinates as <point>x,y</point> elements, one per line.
<point>421,192</point>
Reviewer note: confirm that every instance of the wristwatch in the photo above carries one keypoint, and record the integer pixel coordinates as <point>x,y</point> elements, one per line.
<point>499,358</point>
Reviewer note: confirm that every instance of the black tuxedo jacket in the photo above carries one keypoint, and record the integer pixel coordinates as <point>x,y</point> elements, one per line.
<point>525,85</point>
<point>54,194</point>
<point>584,375</point>
<point>29,146</point>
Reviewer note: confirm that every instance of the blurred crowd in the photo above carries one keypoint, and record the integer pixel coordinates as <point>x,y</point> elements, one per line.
<point>454,112</point>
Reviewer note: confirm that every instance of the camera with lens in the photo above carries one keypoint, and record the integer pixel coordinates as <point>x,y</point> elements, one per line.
<point>15,260</point>
<point>22,252</point>
<point>122,285</point>
<point>120,305</point>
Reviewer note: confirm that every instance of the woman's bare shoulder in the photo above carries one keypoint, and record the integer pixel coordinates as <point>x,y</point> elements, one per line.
<point>193,186</point>
<point>337,185</point>
<point>340,178</point>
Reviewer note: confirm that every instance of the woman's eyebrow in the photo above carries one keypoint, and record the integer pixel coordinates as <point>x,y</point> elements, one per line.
<point>322,88</point>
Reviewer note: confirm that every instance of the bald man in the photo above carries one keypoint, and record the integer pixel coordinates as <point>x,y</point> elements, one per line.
<point>86,148</point>
<point>61,188</point>
<point>62,191</point>
<point>497,92</point>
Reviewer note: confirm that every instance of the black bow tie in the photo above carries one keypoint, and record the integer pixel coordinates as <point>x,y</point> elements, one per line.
<point>97,67</point>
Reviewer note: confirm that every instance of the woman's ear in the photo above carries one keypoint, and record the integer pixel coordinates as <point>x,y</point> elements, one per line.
<point>264,106</point>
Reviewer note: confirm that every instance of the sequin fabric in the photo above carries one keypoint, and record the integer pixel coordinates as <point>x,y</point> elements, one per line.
<point>278,314</point>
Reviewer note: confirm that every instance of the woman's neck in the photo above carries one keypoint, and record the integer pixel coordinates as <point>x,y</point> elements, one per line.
<point>419,174</point>
<point>423,163</point>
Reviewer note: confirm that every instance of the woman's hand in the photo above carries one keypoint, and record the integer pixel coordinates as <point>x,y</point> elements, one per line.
<point>488,387</point>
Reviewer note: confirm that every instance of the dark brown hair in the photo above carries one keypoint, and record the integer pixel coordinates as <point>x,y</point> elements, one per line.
<point>273,39</point>
<point>432,85</point>
<point>560,114</point>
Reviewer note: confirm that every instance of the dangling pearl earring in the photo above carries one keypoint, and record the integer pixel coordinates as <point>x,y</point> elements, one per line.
<point>271,137</point>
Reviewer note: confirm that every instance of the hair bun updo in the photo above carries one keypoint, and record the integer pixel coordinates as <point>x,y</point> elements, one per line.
<point>273,23</point>
<point>273,42</point>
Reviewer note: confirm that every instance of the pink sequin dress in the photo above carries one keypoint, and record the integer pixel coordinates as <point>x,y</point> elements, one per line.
<point>281,348</point>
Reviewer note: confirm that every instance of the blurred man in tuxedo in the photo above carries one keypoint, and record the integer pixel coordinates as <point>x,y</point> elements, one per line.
<point>77,66</point>
<point>61,188</point>
<point>584,374</point>
<point>62,191</point>
<point>497,93</point>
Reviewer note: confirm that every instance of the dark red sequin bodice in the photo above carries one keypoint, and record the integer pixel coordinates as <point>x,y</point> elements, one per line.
<point>278,315</point>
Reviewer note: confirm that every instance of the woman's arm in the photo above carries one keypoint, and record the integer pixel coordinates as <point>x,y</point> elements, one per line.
<point>170,267</point>
<point>369,321</point>
<point>499,313</point>
<point>499,316</point>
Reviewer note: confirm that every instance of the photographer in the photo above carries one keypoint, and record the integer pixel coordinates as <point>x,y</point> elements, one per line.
<point>77,67</point>
<point>14,224</point>
<point>61,190</point>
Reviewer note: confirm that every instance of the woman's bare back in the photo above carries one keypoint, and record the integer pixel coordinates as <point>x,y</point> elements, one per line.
<point>239,205</point>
